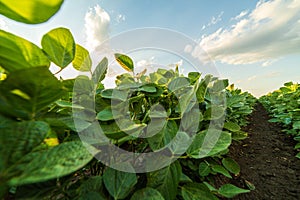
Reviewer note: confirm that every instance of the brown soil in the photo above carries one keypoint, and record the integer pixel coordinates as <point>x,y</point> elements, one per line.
<point>267,160</point>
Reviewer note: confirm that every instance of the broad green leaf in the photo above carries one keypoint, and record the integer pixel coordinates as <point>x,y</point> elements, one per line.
<point>49,164</point>
<point>221,170</point>
<point>298,155</point>
<point>118,183</point>
<point>196,191</point>
<point>60,46</point>
<point>40,91</point>
<point>178,83</point>
<point>91,188</point>
<point>18,139</point>
<point>125,62</point>
<point>219,85</point>
<point>166,180</point>
<point>107,114</point>
<point>123,128</point>
<point>30,11</point>
<point>100,71</point>
<point>232,126</point>
<point>147,194</point>
<point>231,165</point>
<point>297,146</point>
<point>230,191</point>
<point>82,60</point>
<point>115,94</point>
<point>17,53</point>
<point>209,143</point>
<point>164,136</point>
<point>204,169</point>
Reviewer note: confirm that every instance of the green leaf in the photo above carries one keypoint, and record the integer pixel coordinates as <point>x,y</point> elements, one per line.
<point>219,85</point>
<point>194,76</point>
<point>201,91</point>
<point>178,83</point>
<point>82,60</point>
<point>100,71</point>
<point>297,146</point>
<point>232,126</point>
<point>40,91</point>
<point>196,191</point>
<point>30,12</point>
<point>125,62</point>
<point>166,180</point>
<point>185,179</point>
<point>221,170</point>
<point>91,188</point>
<point>60,46</point>
<point>298,155</point>
<point>231,165</point>
<point>165,134</point>
<point>209,143</point>
<point>107,114</point>
<point>17,53</point>
<point>296,125</point>
<point>230,191</point>
<point>147,194</point>
<point>49,164</point>
<point>118,183</point>
<point>204,169</point>
<point>18,139</point>
<point>240,135</point>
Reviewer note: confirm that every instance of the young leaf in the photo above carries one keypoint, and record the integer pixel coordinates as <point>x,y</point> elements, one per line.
<point>196,191</point>
<point>30,12</point>
<point>221,170</point>
<point>204,169</point>
<point>100,71</point>
<point>231,165</point>
<point>118,183</point>
<point>60,46</point>
<point>232,126</point>
<point>125,62</point>
<point>147,194</point>
<point>166,180</point>
<point>82,60</point>
<point>17,53</point>
<point>230,191</point>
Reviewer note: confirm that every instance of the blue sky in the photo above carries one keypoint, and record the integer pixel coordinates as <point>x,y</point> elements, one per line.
<point>256,44</point>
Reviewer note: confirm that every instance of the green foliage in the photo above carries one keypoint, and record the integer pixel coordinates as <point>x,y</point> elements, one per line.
<point>283,106</point>
<point>41,156</point>
<point>17,53</point>
<point>60,47</point>
<point>30,12</point>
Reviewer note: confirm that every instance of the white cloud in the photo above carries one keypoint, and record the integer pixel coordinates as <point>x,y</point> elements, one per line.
<point>251,78</point>
<point>214,20</point>
<point>97,23</point>
<point>270,31</point>
<point>241,15</point>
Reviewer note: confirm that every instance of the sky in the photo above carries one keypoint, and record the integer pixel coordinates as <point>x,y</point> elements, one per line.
<point>253,43</point>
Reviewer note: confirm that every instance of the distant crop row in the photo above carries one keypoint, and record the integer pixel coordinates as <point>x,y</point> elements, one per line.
<point>284,107</point>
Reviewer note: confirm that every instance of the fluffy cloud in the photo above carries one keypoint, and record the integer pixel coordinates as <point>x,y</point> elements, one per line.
<point>269,32</point>
<point>97,23</point>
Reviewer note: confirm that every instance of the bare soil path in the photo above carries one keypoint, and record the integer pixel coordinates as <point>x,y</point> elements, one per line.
<point>267,160</point>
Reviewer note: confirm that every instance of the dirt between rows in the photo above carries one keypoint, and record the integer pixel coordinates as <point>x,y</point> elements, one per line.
<point>267,160</point>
